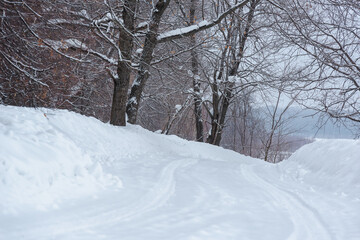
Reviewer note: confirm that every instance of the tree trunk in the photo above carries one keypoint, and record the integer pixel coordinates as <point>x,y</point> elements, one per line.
<point>119,100</point>
<point>215,114</point>
<point>196,83</point>
<point>225,105</point>
<point>121,82</point>
<point>147,55</point>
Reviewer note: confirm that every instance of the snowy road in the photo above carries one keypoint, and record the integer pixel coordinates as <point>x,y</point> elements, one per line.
<point>179,190</point>
<point>183,199</point>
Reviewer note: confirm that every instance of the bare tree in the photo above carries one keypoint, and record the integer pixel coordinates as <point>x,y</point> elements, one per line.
<point>46,73</point>
<point>245,125</point>
<point>327,36</point>
<point>114,24</point>
<point>277,128</point>
<point>150,43</point>
<point>22,67</point>
<point>225,81</point>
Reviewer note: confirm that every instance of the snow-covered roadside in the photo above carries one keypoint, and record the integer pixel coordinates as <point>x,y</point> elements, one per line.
<point>41,165</point>
<point>328,164</point>
<point>60,179</point>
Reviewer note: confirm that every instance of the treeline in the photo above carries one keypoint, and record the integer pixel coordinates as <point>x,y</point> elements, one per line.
<point>222,72</point>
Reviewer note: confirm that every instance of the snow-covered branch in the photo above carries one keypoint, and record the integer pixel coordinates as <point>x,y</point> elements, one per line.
<point>74,43</point>
<point>21,68</point>
<point>203,25</point>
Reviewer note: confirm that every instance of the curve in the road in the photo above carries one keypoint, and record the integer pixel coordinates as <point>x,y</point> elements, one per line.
<point>307,224</point>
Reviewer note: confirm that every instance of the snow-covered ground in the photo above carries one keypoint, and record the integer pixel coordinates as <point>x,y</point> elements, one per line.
<point>66,176</point>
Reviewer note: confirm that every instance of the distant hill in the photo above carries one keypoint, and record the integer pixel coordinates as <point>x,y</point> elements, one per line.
<point>310,124</point>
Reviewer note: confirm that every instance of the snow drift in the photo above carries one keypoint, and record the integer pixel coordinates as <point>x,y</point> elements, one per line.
<point>40,163</point>
<point>331,164</point>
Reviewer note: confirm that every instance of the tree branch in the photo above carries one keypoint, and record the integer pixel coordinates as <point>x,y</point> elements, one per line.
<point>203,25</point>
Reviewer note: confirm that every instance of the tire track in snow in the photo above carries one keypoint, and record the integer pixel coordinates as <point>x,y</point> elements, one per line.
<point>103,218</point>
<point>158,195</point>
<point>307,224</point>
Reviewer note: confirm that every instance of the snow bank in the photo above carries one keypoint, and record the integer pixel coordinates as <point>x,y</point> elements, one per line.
<point>331,164</point>
<point>41,164</point>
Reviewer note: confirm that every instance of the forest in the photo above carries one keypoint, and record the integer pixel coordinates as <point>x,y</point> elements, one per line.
<point>224,72</point>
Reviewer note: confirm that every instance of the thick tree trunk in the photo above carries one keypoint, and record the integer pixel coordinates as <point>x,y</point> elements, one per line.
<point>147,55</point>
<point>121,82</point>
<point>119,100</point>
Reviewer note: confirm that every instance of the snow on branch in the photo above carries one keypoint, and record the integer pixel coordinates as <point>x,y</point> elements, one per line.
<point>74,43</point>
<point>21,67</point>
<point>203,25</point>
<point>58,21</point>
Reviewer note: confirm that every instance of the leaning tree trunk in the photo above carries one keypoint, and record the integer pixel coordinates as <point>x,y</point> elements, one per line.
<point>121,82</point>
<point>147,55</point>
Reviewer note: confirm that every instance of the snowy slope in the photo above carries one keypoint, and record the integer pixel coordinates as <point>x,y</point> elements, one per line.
<point>40,164</point>
<point>66,176</point>
<point>327,164</point>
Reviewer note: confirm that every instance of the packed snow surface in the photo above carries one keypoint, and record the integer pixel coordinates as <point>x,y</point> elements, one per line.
<point>66,176</point>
